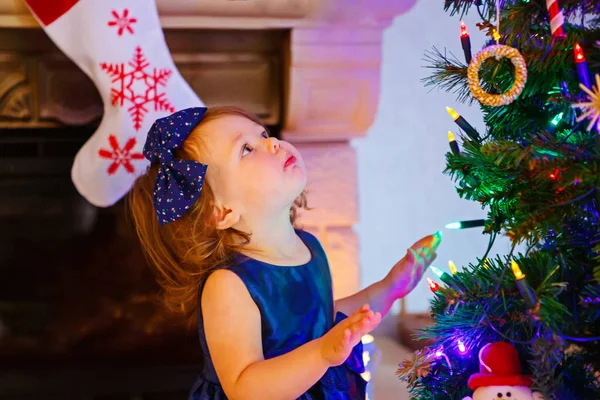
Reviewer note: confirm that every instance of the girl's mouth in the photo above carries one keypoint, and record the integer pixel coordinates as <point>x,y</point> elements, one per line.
<point>290,161</point>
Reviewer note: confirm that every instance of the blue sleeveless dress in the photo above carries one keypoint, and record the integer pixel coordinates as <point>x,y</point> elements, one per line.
<point>296,306</point>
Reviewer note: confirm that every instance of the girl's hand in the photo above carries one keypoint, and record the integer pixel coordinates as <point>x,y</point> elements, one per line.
<point>336,345</point>
<point>407,272</point>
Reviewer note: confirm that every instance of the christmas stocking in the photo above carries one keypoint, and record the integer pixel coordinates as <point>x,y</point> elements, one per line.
<point>120,45</point>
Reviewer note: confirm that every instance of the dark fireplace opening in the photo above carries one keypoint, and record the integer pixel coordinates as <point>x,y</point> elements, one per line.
<point>79,313</point>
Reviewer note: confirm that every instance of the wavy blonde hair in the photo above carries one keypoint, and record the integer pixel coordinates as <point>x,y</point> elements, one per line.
<point>184,252</point>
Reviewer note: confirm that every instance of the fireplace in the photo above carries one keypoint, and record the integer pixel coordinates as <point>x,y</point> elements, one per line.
<point>78,311</point>
<point>76,291</point>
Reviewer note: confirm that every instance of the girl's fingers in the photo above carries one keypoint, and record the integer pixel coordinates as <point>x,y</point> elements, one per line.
<point>430,259</point>
<point>360,322</point>
<point>366,324</point>
<point>358,314</point>
<point>376,319</point>
<point>356,326</point>
<point>372,323</point>
<point>415,257</point>
<point>347,337</point>
<point>357,330</point>
<point>430,241</point>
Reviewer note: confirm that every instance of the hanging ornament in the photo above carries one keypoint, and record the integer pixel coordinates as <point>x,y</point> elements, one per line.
<point>591,108</point>
<point>500,375</point>
<point>557,19</point>
<point>418,366</point>
<point>497,51</point>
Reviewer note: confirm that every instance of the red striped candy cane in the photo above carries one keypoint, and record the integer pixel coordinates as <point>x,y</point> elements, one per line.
<point>556,18</point>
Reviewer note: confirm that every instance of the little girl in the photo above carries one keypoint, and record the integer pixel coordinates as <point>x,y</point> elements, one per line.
<point>215,214</point>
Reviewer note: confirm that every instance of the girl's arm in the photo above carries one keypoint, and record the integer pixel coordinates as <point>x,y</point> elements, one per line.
<point>400,281</point>
<point>379,296</point>
<point>233,334</point>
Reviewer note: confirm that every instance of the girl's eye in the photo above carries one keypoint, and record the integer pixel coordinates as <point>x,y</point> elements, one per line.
<point>246,149</point>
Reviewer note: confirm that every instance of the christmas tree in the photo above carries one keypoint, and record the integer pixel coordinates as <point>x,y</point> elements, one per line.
<point>536,171</point>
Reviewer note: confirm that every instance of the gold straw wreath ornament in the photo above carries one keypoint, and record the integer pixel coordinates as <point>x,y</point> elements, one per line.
<point>497,51</point>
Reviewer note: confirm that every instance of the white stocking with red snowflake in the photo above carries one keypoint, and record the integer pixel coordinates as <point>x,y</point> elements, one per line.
<point>120,45</point>
<point>137,86</point>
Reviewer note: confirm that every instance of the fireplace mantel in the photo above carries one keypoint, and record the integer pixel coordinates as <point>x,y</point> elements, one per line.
<point>247,14</point>
<point>322,92</point>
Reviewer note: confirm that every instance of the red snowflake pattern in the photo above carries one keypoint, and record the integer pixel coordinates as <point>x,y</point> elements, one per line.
<point>138,87</point>
<point>120,156</point>
<point>122,22</point>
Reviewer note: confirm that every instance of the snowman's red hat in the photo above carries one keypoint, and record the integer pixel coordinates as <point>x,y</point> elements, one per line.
<point>499,365</point>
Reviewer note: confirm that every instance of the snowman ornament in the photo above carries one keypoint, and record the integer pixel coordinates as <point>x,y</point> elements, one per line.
<point>499,376</point>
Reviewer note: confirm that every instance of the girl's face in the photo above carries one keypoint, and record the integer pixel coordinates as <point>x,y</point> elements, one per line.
<point>250,172</point>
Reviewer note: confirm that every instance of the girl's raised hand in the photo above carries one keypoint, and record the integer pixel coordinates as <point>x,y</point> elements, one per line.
<point>336,345</point>
<point>407,272</point>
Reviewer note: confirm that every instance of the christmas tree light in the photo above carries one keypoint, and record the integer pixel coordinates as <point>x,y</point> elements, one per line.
<point>582,67</point>
<point>486,263</point>
<point>465,41</point>
<point>557,118</point>
<point>461,122</point>
<point>452,267</point>
<point>466,224</point>
<point>523,286</point>
<point>516,270</point>
<point>439,353</point>
<point>444,277</point>
<point>433,286</point>
<point>453,145</point>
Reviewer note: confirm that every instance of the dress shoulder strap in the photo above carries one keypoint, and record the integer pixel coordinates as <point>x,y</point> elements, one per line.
<point>311,241</point>
<point>319,256</point>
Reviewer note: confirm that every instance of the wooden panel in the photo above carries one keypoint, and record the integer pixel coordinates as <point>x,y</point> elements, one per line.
<point>250,82</point>
<point>66,94</point>
<point>15,92</point>
<point>40,87</point>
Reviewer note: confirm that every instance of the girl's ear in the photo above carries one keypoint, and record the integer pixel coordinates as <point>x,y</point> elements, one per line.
<point>224,217</point>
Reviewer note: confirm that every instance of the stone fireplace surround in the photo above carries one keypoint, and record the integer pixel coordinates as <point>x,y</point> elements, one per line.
<point>309,68</point>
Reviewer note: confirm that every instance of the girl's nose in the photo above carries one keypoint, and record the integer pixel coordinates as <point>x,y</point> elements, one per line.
<point>272,145</point>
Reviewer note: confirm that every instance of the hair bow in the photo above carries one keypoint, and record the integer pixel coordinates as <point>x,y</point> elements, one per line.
<point>178,182</point>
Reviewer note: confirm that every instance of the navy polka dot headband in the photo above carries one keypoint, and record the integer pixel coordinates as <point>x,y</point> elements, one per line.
<point>178,182</point>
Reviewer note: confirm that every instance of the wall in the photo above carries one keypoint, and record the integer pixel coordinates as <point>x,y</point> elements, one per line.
<point>403,194</point>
